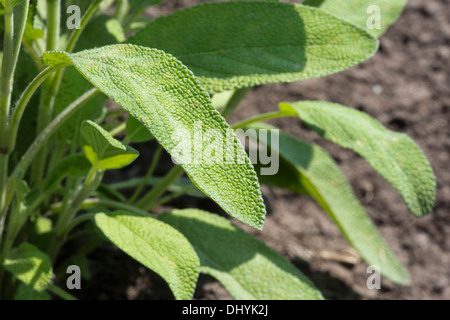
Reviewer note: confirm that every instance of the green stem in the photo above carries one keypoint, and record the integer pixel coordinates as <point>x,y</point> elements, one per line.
<point>235,99</point>
<point>147,177</point>
<point>260,117</point>
<point>122,8</point>
<point>148,201</point>
<point>84,21</point>
<point>7,75</point>
<point>96,202</point>
<point>36,146</point>
<point>67,216</point>
<point>23,102</point>
<point>75,222</point>
<point>60,292</point>
<point>116,130</point>
<point>174,195</point>
<point>53,24</point>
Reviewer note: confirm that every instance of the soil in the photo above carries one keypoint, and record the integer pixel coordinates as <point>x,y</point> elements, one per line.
<point>406,86</point>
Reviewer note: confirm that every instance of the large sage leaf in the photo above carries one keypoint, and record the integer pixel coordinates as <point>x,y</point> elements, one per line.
<point>29,265</point>
<point>157,246</point>
<point>363,12</point>
<point>245,266</point>
<point>394,155</point>
<point>241,44</point>
<point>166,97</point>
<point>316,174</point>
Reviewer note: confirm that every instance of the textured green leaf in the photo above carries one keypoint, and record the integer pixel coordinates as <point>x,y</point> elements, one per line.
<point>157,246</point>
<point>136,131</point>
<point>25,292</point>
<point>102,150</point>
<point>241,44</point>
<point>29,265</point>
<point>245,266</point>
<point>358,11</point>
<point>394,155</point>
<point>166,97</point>
<point>74,165</point>
<point>320,177</point>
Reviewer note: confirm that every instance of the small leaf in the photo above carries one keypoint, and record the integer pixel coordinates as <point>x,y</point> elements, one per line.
<point>74,165</point>
<point>157,246</point>
<point>25,292</point>
<point>394,155</point>
<point>245,266</point>
<point>361,11</point>
<point>164,95</point>
<point>30,265</point>
<point>320,177</point>
<point>102,150</point>
<point>238,44</point>
<point>136,131</point>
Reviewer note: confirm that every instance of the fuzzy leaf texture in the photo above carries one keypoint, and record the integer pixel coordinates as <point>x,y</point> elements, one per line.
<point>30,265</point>
<point>157,246</point>
<point>361,12</point>
<point>246,267</point>
<point>102,150</point>
<point>394,155</point>
<point>309,169</point>
<point>232,45</point>
<point>165,96</point>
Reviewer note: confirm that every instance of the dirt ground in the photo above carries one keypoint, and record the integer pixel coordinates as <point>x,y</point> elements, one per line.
<point>406,86</point>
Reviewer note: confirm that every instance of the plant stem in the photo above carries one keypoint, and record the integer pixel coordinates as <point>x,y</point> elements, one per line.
<point>53,24</point>
<point>66,217</point>
<point>147,177</point>
<point>260,117</point>
<point>37,144</point>
<point>77,221</point>
<point>234,101</point>
<point>122,8</point>
<point>60,292</point>
<point>116,130</point>
<point>148,201</point>
<point>7,75</point>
<point>23,102</point>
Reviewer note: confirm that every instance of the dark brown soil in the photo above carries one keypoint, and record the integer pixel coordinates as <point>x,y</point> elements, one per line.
<point>406,86</point>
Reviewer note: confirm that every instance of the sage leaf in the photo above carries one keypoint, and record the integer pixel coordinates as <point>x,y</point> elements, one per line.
<point>394,155</point>
<point>231,45</point>
<point>157,246</point>
<point>373,15</point>
<point>165,96</point>
<point>246,267</point>
<point>30,265</point>
<point>102,150</point>
<point>319,176</point>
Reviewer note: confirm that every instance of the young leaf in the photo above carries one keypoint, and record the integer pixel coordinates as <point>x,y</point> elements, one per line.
<point>102,150</point>
<point>157,246</point>
<point>320,177</point>
<point>373,15</point>
<point>30,265</point>
<point>232,45</point>
<point>245,266</point>
<point>136,131</point>
<point>165,96</point>
<point>394,155</point>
